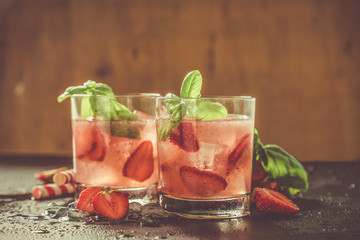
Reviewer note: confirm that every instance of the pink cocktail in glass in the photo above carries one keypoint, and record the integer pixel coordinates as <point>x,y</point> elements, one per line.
<point>118,153</point>
<point>206,166</point>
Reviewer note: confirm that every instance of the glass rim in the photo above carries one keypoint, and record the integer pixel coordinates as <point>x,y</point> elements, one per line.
<point>245,98</point>
<point>133,95</point>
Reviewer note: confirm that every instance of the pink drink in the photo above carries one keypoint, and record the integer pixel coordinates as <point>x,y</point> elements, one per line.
<point>205,152</point>
<point>103,159</point>
<point>222,166</point>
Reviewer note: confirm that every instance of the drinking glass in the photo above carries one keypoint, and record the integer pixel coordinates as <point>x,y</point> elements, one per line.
<point>205,166</point>
<point>115,145</point>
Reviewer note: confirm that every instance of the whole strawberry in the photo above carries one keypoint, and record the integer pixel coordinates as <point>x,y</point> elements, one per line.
<point>272,202</point>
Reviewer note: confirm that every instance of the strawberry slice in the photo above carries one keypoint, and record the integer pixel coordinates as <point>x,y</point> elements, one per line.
<point>89,143</point>
<point>140,165</point>
<point>99,148</point>
<point>272,202</point>
<point>85,199</point>
<point>258,173</point>
<point>111,204</point>
<point>184,137</point>
<point>170,181</point>
<point>240,147</point>
<point>202,183</point>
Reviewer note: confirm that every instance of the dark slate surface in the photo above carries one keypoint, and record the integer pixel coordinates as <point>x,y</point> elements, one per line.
<point>329,210</point>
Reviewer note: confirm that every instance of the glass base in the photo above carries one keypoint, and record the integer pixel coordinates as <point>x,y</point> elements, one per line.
<point>222,208</point>
<point>142,195</point>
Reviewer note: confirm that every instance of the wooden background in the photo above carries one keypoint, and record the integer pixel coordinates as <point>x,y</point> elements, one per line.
<point>300,59</point>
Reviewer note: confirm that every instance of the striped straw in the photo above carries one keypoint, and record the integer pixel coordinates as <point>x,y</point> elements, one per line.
<point>47,175</point>
<point>51,190</point>
<point>64,177</point>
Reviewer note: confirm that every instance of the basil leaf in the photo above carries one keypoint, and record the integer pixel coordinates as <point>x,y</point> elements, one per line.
<point>194,108</point>
<point>72,91</point>
<point>208,110</point>
<point>122,112</point>
<point>259,151</point>
<point>191,86</point>
<point>177,109</point>
<point>103,89</point>
<point>86,108</point>
<point>285,168</point>
<point>93,106</point>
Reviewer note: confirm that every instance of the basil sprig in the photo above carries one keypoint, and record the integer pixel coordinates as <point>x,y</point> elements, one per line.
<point>281,166</point>
<point>92,106</point>
<point>194,108</point>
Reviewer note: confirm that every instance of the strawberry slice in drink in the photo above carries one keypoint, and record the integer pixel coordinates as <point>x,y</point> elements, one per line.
<point>272,202</point>
<point>140,165</point>
<point>85,199</point>
<point>89,142</point>
<point>237,152</point>
<point>111,204</point>
<point>184,137</point>
<point>171,182</point>
<point>202,183</point>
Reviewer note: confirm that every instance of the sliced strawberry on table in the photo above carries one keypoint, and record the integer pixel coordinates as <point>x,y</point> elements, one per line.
<point>85,199</point>
<point>272,202</point>
<point>111,204</point>
<point>238,150</point>
<point>140,165</point>
<point>89,142</point>
<point>202,183</point>
<point>258,173</point>
<point>184,137</point>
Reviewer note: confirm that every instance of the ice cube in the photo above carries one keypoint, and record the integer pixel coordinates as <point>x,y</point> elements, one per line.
<point>61,212</point>
<point>211,157</point>
<point>76,215</point>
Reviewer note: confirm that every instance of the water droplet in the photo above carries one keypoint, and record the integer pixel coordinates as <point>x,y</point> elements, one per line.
<point>72,205</point>
<point>351,186</point>
<point>40,231</point>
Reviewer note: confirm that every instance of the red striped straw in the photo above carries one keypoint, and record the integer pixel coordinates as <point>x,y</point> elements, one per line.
<point>51,190</point>
<point>47,175</point>
<point>64,177</point>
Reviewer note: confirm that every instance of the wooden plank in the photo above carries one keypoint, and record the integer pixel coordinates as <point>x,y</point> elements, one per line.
<point>300,59</point>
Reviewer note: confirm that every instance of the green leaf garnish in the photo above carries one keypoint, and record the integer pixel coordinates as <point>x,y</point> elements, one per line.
<point>92,106</point>
<point>177,109</point>
<point>208,110</point>
<point>281,166</point>
<point>194,107</point>
<point>191,86</point>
